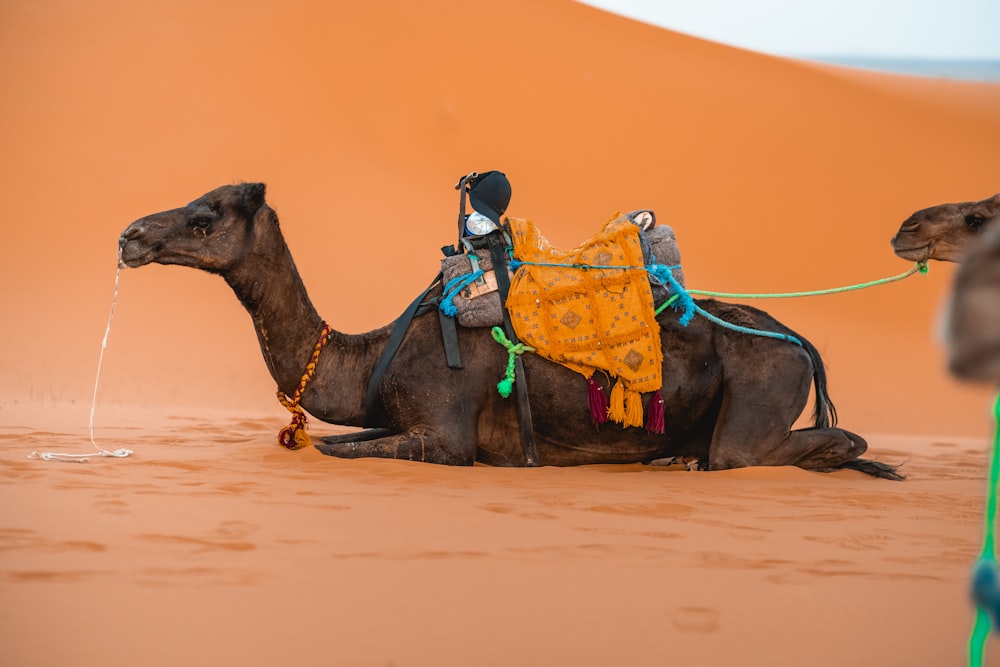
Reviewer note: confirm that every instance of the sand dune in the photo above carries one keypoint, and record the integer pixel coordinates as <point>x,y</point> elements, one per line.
<point>212,546</point>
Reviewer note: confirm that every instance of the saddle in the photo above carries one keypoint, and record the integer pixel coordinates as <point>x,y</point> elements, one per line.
<point>615,313</point>
<point>477,303</point>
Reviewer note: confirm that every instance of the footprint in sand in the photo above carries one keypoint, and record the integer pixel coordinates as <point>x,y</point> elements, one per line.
<point>695,619</point>
<point>228,536</point>
<point>112,505</point>
<point>499,508</point>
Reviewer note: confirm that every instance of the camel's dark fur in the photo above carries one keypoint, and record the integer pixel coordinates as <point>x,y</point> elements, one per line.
<point>730,398</point>
<point>944,232</point>
<point>972,327</point>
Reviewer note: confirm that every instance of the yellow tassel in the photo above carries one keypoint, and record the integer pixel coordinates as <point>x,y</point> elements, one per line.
<point>294,435</point>
<point>302,439</point>
<point>616,405</point>
<point>633,409</point>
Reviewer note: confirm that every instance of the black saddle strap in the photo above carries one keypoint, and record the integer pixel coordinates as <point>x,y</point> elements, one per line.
<point>449,336</point>
<point>391,347</point>
<point>498,253</point>
<point>460,186</point>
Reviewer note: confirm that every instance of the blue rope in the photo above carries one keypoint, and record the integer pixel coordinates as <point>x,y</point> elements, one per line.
<point>515,264</point>
<point>453,287</point>
<point>686,303</point>
<point>683,301</point>
<point>755,332</point>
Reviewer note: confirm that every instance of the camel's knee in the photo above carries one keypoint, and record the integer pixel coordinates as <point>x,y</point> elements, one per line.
<point>844,442</point>
<point>859,443</point>
<point>727,458</point>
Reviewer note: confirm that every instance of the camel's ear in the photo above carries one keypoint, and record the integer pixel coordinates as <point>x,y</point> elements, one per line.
<point>985,209</point>
<point>252,198</point>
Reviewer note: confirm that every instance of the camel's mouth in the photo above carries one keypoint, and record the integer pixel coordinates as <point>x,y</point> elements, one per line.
<point>916,253</point>
<point>131,255</point>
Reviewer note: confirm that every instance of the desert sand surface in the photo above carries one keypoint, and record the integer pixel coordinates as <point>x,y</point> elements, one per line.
<point>211,545</point>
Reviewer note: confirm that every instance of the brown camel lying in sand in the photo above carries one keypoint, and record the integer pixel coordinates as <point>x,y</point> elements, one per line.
<point>946,231</point>
<point>730,398</point>
<point>972,327</point>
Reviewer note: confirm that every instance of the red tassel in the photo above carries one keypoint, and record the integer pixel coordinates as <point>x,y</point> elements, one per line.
<point>598,402</point>
<point>654,414</point>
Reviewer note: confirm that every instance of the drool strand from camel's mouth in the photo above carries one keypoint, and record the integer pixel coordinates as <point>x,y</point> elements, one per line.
<point>118,453</point>
<point>104,345</point>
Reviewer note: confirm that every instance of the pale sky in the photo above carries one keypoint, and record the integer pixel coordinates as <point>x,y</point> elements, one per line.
<point>932,29</point>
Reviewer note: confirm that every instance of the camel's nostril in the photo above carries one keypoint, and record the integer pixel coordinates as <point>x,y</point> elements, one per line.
<point>130,233</point>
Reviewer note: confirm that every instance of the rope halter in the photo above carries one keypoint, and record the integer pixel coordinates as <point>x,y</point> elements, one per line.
<point>294,435</point>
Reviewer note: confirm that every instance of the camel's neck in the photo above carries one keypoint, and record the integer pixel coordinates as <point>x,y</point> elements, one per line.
<point>288,328</point>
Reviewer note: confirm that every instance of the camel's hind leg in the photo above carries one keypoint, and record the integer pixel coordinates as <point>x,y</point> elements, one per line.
<point>756,415</point>
<point>812,449</point>
<point>756,433</point>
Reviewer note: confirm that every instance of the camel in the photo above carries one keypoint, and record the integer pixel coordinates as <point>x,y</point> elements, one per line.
<point>972,325</point>
<point>946,231</point>
<point>730,398</point>
<point>966,233</point>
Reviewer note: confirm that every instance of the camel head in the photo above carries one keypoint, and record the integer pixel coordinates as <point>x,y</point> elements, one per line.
<point>946,231</point>
<point>213,233</point>
<point>972,327</point>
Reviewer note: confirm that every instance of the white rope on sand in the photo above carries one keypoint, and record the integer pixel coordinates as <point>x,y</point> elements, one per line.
<point>117,453</point>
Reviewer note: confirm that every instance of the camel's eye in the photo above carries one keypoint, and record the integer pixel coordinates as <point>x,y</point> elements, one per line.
<point>974,221</point>
<point>201,222</point>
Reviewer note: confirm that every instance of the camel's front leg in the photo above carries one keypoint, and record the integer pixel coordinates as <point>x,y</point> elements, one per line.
<point>417,444</point>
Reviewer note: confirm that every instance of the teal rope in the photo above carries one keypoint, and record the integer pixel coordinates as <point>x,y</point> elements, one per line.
<point>920,267</point>
<point>515,264</point>
<point>507,383</point>
<point>683,301</point>
<point>451,290</point>
<point>987,557</point>
<point>753,332</point>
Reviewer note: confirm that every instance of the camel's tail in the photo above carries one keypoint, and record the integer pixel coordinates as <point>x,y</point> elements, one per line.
<point>825,416</point>
<point>875,469</point>
<point>824,412</point>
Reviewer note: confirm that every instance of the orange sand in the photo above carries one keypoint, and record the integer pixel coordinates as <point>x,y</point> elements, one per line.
<point>212,546</point>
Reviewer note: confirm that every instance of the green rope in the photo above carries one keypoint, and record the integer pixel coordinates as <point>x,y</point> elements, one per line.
<point>987,558</point>
<point>920,267</point>
<point>507,383</point>
<point>666,303</point>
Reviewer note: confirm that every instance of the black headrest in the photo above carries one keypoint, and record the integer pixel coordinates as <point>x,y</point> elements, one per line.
<point>489,194</point>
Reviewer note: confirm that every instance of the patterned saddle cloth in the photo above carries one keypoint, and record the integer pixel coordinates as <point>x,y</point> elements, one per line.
<point>590,308</point>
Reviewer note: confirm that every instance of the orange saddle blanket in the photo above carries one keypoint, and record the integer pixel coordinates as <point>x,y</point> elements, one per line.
<point>590,308</point>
